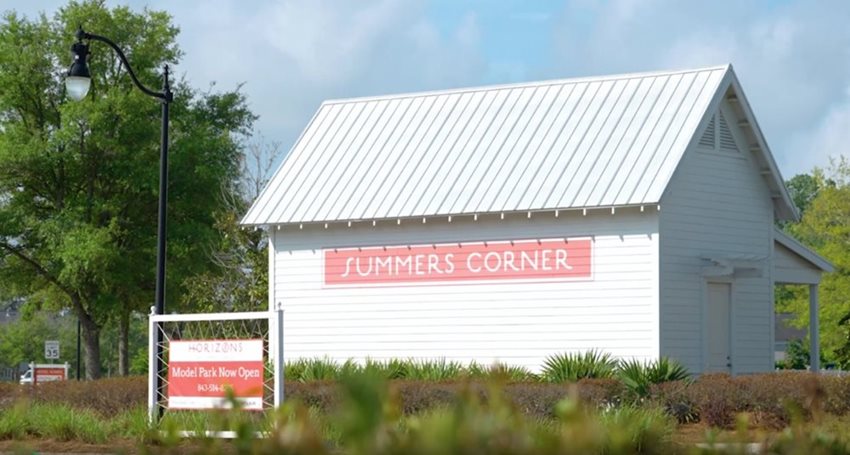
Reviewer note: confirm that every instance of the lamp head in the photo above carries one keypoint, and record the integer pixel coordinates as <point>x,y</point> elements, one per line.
<point>78,80</point>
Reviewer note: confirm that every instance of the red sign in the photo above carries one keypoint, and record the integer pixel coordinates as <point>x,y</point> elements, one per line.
<point>200,372</point>
<point>505,260</point>
<point>48,374</point>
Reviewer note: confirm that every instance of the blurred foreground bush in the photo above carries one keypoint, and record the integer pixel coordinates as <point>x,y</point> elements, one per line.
<point>770,399</point>
<point>364,413</point>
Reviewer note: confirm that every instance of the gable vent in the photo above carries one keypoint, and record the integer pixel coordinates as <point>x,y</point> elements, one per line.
<point>727,142</point>
<point>707,139</point>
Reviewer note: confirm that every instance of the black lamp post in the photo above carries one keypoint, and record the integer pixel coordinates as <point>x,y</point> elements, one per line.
<point>77,84</point>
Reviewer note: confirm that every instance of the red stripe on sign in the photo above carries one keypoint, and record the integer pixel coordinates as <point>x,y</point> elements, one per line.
<point>504,260</point>
<point>211,379</point>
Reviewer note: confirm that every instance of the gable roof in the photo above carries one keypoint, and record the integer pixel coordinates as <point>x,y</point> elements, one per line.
<point>574,143</point>
<point>784,208</point>
<point>802,251</point>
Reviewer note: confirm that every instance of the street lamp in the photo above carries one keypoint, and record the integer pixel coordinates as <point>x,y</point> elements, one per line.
<point>77,84</point>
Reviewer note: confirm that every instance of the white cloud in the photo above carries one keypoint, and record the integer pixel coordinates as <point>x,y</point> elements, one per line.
<point>830,138</point>
<point>293,54</point>
<point>793,59</point>
<point>327,41</point>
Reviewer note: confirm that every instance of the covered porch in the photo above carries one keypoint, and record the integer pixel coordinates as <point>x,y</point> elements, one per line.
<point>796,264</point>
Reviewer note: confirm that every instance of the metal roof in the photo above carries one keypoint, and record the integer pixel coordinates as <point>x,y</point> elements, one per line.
<point>574,143</point>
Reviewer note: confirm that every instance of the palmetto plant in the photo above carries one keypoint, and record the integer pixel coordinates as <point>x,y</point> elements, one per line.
<point>433,370</point>
<point>317,370</point>
<point>638,376</point>
<point>571,367</point>
<point>500,372</point>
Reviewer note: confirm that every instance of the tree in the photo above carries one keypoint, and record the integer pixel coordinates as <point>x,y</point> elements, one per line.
<point>22,341</point>
<point>239,280</point>
<point>804,188</point>
<point>79,181</point>
<point>826,228</point>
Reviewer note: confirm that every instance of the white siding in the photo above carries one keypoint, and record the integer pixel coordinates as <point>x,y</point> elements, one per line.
<point>717,205</point>
<point>517,323</point>
<point>791,268</point>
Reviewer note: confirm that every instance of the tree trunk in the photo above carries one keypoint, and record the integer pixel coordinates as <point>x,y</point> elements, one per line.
<point>91,338</point>
<point>91,347</point>
<point>123,342</point>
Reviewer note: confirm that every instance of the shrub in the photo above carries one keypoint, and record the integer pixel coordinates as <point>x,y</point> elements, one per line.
<point>771,399</point>
<point>319,395</point>
<point>603,392</point>
<point>319,370</point>
<point>8,392</point>
<point>433,370</point>
<point>638,429</point>
<point>391,369</point>
<point>571,367</point>
<point>107,397</point>
<point>294,371</point>
<point>537,400</point>
<point>718,398</point>
<point>675,399</point>
<point>479,420</point>
<point>499,372</point>
<point>638,376</point>
<point>837,394</point>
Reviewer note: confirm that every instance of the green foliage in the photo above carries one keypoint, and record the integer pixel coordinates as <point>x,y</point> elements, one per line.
<point>14,422</point>
<point>319,370</point>
<point>433,370</point>
<point>325,369</point>
<point>363,414</point>
<point>796,356</point>
<point>62,422</point>
<point>239,280</point>
<point>80,180</point>
<point>22,341</point>
<point>371,422</point>
<point>500,372</point>
<point>637,428</point>
<point>638,376</point>
<point>825,227</point>
<point>804,188</point>
<point>570,367</point>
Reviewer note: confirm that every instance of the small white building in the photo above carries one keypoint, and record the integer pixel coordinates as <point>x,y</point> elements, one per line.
<point>632,214</point>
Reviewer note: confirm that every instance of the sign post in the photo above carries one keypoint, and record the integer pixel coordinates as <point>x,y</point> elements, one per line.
<point>51,349</point>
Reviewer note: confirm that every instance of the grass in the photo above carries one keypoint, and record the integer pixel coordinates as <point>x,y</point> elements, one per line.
<point>61,422</point>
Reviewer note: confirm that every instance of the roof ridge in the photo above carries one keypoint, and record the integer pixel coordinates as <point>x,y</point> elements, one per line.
<point>539,83</point>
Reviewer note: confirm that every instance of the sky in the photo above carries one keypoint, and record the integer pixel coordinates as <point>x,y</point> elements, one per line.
<point>791,56</point>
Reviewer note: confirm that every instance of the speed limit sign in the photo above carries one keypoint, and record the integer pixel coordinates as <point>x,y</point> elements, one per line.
<point>51,349</point>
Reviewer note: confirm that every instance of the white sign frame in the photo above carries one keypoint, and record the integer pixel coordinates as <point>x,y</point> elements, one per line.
<point>275,318</point>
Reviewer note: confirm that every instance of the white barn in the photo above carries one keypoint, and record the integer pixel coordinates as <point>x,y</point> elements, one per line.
<point>632,214</point>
